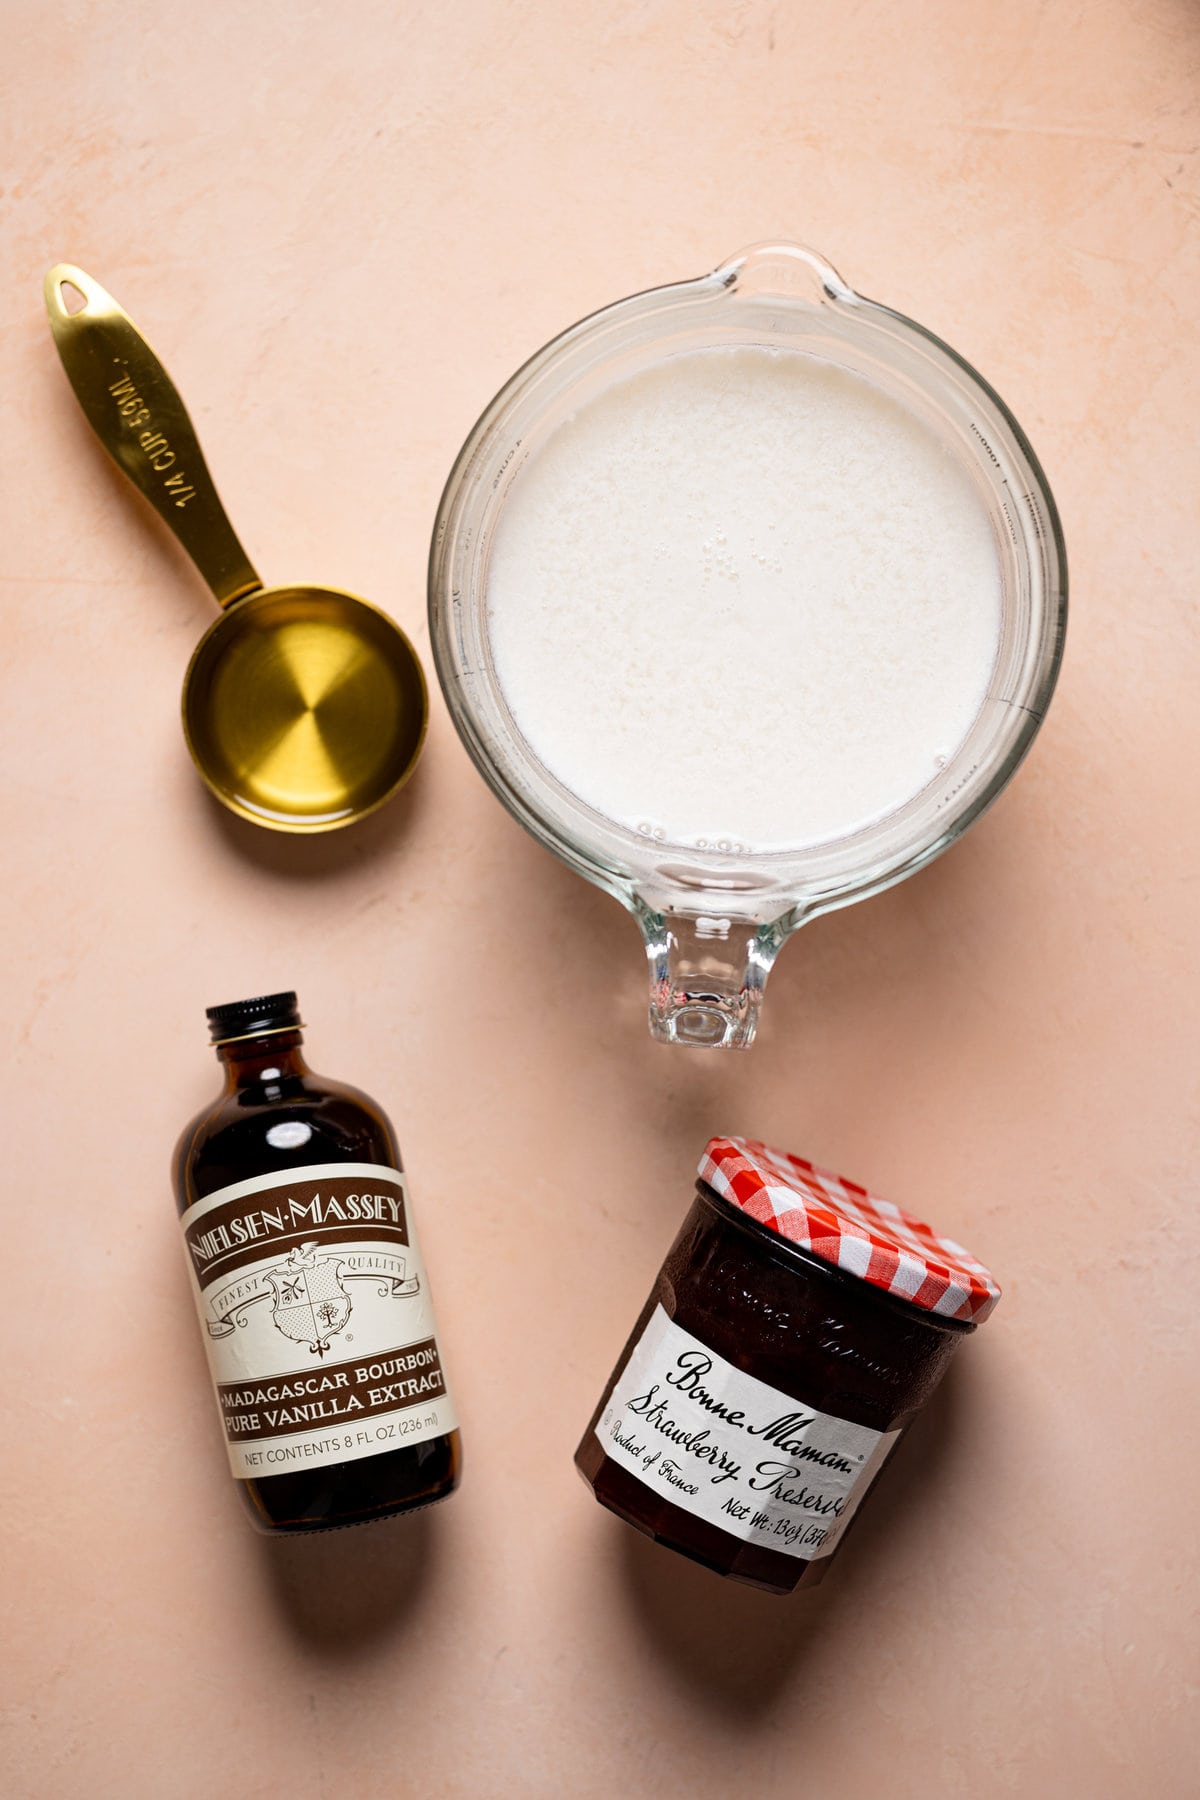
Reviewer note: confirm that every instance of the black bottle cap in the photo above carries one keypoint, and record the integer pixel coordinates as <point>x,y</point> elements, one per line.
<point>249,1018</point>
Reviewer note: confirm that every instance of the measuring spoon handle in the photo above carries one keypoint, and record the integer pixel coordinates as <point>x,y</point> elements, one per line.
<point>131,404</point>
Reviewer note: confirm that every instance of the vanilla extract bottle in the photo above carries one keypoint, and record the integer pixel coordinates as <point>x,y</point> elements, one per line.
<point>311,1288</point>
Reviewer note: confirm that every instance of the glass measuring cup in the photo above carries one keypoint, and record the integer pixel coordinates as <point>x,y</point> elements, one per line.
<point>713,918</point>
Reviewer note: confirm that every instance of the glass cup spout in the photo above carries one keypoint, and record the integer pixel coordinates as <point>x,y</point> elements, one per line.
<point>707,975</point>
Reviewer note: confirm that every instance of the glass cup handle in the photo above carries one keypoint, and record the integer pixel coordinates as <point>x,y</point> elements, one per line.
<point>785,271</point>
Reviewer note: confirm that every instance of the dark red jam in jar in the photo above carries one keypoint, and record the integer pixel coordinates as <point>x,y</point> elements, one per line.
<point>796,1329</point>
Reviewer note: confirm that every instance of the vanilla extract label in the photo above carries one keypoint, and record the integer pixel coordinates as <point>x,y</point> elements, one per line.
<point>744,1456</point>
<point>314,1302</point>
<point>342,1393</point>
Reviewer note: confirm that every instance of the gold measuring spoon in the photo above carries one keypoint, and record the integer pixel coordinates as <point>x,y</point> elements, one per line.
<point>303,707</point>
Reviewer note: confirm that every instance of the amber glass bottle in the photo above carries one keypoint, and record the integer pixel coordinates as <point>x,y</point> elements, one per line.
<point>311,1289</point>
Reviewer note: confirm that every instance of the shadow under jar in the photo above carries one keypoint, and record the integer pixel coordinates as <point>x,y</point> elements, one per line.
<point>795,1331</point>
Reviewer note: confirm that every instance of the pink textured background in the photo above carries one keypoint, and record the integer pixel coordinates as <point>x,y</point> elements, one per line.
<point>344,226</point>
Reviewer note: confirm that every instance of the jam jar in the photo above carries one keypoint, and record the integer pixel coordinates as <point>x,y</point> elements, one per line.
<point>796,1329</point>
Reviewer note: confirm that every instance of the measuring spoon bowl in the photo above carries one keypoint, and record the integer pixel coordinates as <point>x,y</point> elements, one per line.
<point>299,710</point>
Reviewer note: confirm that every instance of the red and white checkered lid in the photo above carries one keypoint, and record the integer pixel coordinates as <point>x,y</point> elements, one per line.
<point>850,1228</point>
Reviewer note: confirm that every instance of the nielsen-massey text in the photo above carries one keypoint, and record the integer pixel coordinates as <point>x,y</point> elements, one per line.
<point>293,1215</point>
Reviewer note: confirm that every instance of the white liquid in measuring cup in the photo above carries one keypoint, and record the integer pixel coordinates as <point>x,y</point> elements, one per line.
<point>744,598</point>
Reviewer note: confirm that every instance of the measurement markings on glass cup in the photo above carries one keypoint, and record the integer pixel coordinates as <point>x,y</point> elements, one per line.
<point>990,453</point>
<point>1035,513</point>
<point>958,787</point>
<point>499,475</point>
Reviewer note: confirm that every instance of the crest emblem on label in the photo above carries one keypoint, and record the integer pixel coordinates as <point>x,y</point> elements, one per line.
<point>309,1303</point>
